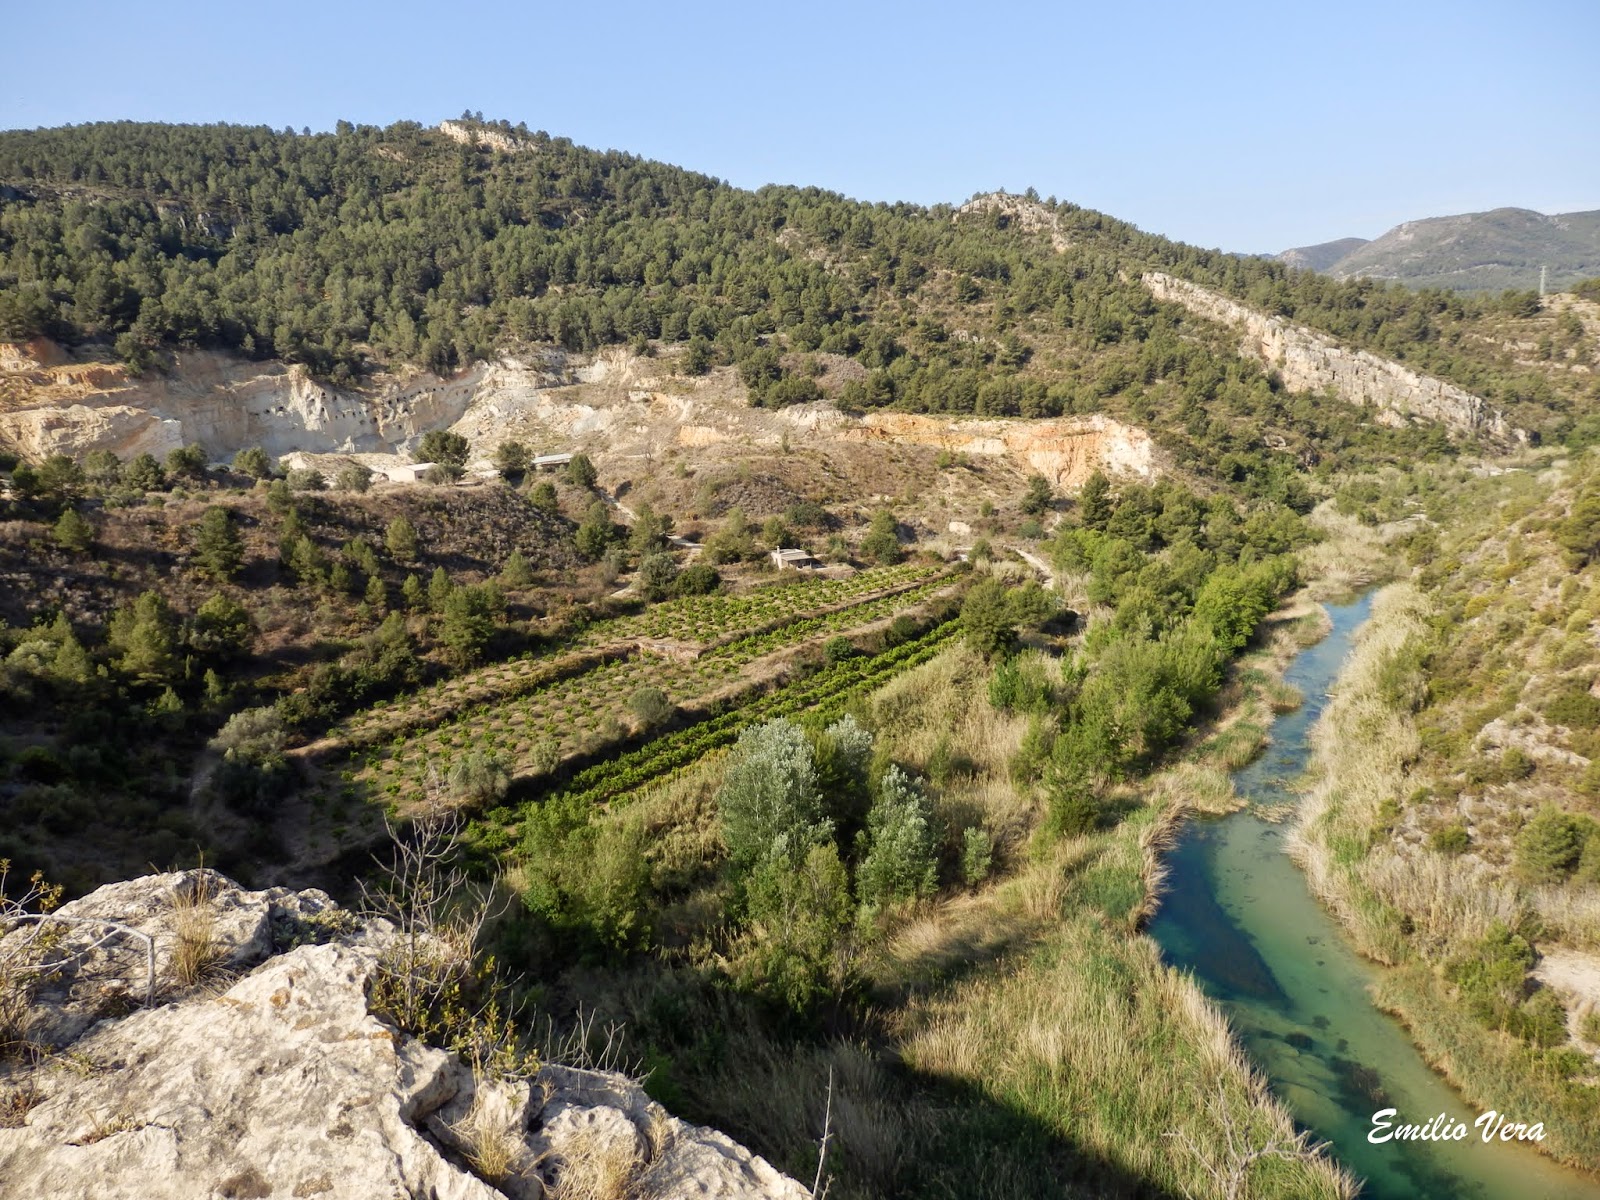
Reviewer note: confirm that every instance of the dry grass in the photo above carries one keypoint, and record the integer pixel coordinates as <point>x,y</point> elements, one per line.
<point>493,1145</point>
<point>596,1164</point>
<point>1351,555</point>
<point>1103,1037</point>
<point>195,950</point>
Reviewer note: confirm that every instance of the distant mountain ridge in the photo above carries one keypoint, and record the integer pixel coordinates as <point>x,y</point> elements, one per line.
<point>1485,251</point>
<point>1322,256</point>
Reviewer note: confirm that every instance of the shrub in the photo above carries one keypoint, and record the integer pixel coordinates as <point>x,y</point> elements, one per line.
<point>1450,839</point>
<point>697,579</point>
<point>900,860</point>
<point>842,756</point>
<point>1575,709</point>
<point>543,497</point>
<point>512,458</point>
<point>353,477</point>
<point>1493,975</point>
<point>400,539</point>
<point>657,573</point>
<point>516,573</point>
<point>307,479</point>
<point>798,913</point>
<point>838,649</point>
<point>882,543</point>
<point>1020,686</point>
<point>650,707</point>
<point>581,472</point>
<point>977,855</point>
<point>1549,846</point>
<point>443,448</point>
<point>217,546</point>
<point>769,802</point>
<point>478,778</point>
<point>254,462</point>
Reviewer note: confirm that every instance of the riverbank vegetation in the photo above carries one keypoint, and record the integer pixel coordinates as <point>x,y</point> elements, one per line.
<point>934,898</point>
<point>1451,818</point>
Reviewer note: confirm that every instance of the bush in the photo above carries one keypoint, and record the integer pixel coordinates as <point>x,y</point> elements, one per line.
<point>1493,976</point>
<point>650,707</point>
<point>697,579</point>
<point>882,543</point>
<point>977,855</point>
<point>1019,686</point>
<point>842,756</point>
<point>516,573</point>
<point>543,497</point>
<point>217,545</point>
<point>254,462</point>
<point>353,477</point>
<point>400,539</point>
<point>1575,709</point>
<point>769,802</point>
<point>798,914</point>
<point>444,448</point>
<point>73,533</point>
<point>657,573</point>
<point>307,479</point>
<point>478,778</point>
<point>1549,846</point>
<point>581,472</point>
<point>838,649</point>
<point>1450,839</point>
<point>899,860</point>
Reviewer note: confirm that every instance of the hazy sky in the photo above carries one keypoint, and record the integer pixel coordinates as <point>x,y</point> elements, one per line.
<point>1242,125</point>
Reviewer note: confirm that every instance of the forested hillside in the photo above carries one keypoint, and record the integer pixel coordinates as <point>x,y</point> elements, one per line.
<point>373,247</point>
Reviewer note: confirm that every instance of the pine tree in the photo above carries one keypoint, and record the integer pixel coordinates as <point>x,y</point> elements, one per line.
<point>516,573</point>
<point>400,539</point>
<point>73,532</point>
<point>217,544</point>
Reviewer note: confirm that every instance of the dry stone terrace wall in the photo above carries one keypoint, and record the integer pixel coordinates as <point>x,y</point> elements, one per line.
<point>1309,361</point>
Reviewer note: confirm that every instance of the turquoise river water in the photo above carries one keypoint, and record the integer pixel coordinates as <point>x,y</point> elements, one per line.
<point>1238,913</point>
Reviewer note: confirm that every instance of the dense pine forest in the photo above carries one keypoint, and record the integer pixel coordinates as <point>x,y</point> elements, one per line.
<point>371,248</point>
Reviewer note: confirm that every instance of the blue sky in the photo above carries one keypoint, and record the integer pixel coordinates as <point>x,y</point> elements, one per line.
<point>1250,126</point>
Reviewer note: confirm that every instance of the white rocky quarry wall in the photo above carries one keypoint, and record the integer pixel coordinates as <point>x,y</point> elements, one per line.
<point>1309,361</point>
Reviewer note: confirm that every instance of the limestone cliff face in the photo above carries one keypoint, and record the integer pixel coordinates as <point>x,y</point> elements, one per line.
<point>1313,362</point>
<point>49,406</point>
<point>1066,451</point>
<point>272,1079</point>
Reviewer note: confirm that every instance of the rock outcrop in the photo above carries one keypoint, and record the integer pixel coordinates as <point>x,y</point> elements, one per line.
<point>1027,215</point>
<point>1312,362</point>
<point>1065,450</point>
<point>222,402</point>
<point>274,1079</point>
<point>471,134</point>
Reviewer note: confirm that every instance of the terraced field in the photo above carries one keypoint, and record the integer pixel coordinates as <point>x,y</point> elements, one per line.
<point>704,653</point>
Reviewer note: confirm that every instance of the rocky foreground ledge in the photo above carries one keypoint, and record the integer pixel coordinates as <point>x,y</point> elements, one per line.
<point>272,1078</point>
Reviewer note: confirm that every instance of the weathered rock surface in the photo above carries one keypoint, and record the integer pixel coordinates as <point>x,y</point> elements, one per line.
<point>1065,450</point>
<point>281,1083</point>
<point>1309,362</point>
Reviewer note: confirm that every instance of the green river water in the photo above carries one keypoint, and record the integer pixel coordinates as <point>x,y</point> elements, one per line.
<point>1238,914</point>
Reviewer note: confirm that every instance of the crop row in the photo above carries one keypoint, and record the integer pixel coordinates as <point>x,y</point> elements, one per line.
<point>822,695</point>
<point>770,613</point>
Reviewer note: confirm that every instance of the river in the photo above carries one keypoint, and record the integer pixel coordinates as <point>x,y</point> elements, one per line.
<point>1239,914</point>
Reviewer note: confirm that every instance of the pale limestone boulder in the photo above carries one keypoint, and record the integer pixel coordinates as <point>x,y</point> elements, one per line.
<point>272,1079</point>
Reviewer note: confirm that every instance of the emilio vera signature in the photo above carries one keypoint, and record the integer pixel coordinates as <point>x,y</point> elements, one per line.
<point>1491,1125</point>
